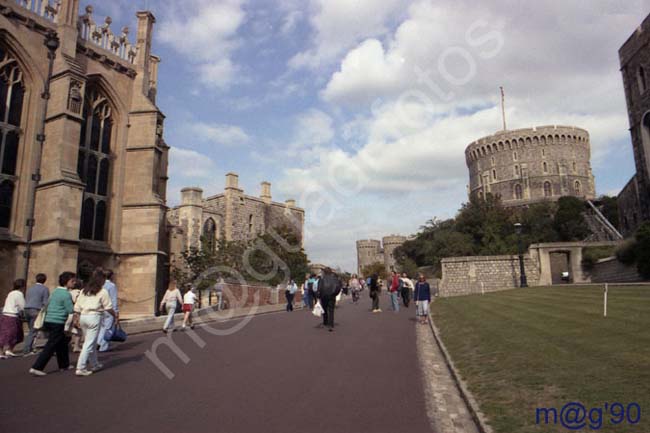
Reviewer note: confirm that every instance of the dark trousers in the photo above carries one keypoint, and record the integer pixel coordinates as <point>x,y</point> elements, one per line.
<point>311,300</point>
<point>289,297</point>
<point>57,342</point>
<point>30,317</point>
<point>328,303</point>
<point>375,301</point>
<point>406,296</point>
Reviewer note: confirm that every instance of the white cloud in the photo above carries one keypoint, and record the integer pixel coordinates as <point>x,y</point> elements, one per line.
<point>313,131</point>
<point>339,24</point>
<point>205,33</point>
<point>204,173</point>
<point>228,135</point>
<point>410,128</point>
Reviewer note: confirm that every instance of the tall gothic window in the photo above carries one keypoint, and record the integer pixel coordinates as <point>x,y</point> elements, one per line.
<point>577,187</point>
<point>93,165</point>
<point>250,224</point>
<point>518,194</point>
<point>12,92</point>
<point>547,189</point>
<point>210,234</point>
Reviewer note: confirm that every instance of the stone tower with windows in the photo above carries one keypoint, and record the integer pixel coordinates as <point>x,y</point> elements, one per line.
<point>525,166</point>
<point>101,197</point>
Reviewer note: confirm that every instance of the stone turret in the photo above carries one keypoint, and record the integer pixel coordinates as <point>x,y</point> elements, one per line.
<point>266,192</point>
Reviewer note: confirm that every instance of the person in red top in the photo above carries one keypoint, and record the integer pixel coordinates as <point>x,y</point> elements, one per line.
<point>394,291</point>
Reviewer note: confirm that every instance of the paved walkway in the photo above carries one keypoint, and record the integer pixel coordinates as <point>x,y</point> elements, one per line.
<point>278,373</point>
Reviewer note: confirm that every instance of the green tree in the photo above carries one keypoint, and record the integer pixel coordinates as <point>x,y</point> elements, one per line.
<point>569,221</point>
<point>643,249</point>
<point>375,268</point>
<point>610,209</point>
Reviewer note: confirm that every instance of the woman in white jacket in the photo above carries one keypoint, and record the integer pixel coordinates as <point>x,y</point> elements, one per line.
<point>170,301</point>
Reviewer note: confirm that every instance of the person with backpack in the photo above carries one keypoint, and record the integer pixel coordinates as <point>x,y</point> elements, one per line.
<point>422,298</point>
<point>374,289</point>
<point>35,299</point>
<point>328,289</point>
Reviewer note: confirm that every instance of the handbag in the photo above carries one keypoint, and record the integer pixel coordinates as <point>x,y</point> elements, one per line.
<point>116,333</point>
<point>39,322</point>
<point>318,310</point>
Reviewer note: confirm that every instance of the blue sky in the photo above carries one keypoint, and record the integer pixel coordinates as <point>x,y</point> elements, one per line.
<point>361,109</point>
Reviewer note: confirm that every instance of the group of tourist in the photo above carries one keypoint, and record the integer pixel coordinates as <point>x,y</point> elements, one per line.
<point>172,300</point>
<point>325,289</point>
<point>74,311</point>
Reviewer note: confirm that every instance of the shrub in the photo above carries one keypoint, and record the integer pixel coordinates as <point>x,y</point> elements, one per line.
<point>591,255</point>
<point>643,250</point>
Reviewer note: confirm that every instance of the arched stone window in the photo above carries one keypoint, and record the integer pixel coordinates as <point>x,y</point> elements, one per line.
<point>575,168</point>
<point>545,165</point>
<point>517,192</point>
<point>12,93</point>
<point>93,165</point>
<point>577,187</point>
<point>548,190</point>
<point>641,79</point>
<point>494,175</point>
<point>210,234</point>
<point>516,170</point>
<point>543,140</point>
<point>550,139</point>
<point>493,161</point>
<point>543,153</point>
<point>250,224</point>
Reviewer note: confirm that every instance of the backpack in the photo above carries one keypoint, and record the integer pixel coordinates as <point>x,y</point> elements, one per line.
<point>310,286</point>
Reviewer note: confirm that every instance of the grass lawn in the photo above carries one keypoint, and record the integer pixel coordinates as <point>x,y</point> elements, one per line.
<point>544,347</point>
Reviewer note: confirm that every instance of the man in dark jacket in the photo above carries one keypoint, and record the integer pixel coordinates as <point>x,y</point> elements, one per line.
<point>328,288</point>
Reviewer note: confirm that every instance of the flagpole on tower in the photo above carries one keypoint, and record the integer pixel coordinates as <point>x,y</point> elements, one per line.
<point>503,108</point>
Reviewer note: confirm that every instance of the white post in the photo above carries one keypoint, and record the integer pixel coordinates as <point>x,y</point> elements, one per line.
<point>605,302</point>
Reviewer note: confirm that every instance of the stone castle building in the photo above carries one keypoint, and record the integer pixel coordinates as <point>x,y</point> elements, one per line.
<point>634,199</point>
<point>525,166</point>
<point>231,216</point>
<point>372,251</point>
<point>101,195</point>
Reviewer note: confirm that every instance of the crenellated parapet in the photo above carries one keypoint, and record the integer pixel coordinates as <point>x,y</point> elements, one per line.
<point>43,8</point>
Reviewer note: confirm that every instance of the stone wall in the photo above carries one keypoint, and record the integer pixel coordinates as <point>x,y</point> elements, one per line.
<point>635,68</point>
<point>471,275</point>
<point>239,296</point>
<point>610,270</point>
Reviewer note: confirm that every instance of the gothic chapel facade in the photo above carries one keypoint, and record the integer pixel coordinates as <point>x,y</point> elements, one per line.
<point>101,198</point>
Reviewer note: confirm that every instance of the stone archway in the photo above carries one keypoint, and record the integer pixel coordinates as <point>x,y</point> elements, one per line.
<point>561,267</point>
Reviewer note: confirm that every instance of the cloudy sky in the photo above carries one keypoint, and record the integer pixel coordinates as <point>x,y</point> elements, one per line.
<point>361,109</point>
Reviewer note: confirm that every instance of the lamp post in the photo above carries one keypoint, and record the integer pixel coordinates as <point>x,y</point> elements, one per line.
<point>52,44</point>
<point>522,269</point>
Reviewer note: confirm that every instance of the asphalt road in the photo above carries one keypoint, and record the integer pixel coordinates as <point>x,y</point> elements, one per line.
<point>279,373</point>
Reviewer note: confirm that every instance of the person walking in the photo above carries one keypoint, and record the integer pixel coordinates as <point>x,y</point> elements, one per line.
<point>11,325</point>
<point>328,289</point>
<point>92,303</point>
<point>313,289</point>
<point>374,289</point>
<point>35,299</point>
<point>189,299</point>
<point>394,290</point>
<point>290,293</point>
<point>107,319</point>
<point>58,308</point>
<point>305,294</point>
<point>407,288</point>
<point>355,288</point>
<point>170,301</point>
<point>422,298</point>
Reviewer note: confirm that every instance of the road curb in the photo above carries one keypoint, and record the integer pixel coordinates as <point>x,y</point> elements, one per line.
<point>469,399</point>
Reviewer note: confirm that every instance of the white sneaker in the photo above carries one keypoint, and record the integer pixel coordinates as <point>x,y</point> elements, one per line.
<point>10,354</point>
<point>35,372</point>
<point>83,372</point>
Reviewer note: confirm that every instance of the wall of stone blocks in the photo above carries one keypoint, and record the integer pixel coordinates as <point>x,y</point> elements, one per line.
<point>472,275</point>
<point>610,270</point>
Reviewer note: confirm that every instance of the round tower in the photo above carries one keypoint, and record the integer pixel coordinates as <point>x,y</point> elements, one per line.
<point>529,165</point>
<point>390,244</point>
